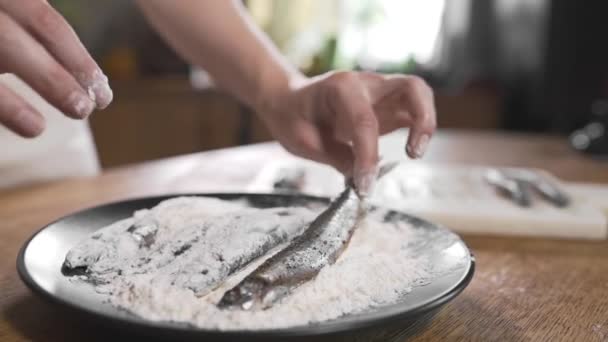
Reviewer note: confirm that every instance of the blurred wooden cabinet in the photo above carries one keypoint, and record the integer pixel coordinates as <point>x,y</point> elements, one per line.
<point>152,119</point>
<point>474,107</point>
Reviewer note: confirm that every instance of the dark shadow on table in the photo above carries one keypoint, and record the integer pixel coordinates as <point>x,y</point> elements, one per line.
<point>37,320</point>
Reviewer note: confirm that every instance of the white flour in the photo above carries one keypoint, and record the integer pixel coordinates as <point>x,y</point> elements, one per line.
<point>143,266</point>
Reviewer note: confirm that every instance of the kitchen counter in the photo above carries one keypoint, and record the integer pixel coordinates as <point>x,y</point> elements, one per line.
<point>524,288</point>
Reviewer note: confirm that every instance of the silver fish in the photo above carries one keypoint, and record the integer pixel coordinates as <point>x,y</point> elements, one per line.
<point>320,245</point>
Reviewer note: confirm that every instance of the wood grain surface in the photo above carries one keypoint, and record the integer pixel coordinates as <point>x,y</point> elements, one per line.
<point>523,289</point>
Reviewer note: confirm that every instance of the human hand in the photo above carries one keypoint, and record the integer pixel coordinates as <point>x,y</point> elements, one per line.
<point>336,119</point>
<point>39,46</point>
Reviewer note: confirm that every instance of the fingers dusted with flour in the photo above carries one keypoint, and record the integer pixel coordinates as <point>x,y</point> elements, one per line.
<point>27,58</point>
<point>39,46</point>
<point>49,28</point>
<point>347,112</point>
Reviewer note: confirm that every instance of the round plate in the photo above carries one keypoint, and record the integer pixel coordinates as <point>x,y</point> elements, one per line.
<point>40,260</point>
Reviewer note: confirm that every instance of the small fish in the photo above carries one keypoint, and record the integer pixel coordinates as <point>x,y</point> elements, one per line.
<point>320,245</point>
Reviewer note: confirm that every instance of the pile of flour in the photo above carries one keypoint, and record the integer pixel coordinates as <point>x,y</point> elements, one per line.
<point>175,261</point>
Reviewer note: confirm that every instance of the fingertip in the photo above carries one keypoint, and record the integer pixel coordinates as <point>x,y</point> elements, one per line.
<point>97,87</point>
<point>103,93</point>
<point>29,124</point>
<point>81,104</point>
<point>365,181</point>
<point>33,134</point>
<point>365,171</point>
<point>417,145</point>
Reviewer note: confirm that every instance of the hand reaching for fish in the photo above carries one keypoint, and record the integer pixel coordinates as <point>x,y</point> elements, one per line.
<point>336,119</point>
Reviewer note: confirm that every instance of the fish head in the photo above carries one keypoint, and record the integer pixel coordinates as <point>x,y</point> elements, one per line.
<point>244,297</point>
<point>252,295</point>
<point>248,295</point>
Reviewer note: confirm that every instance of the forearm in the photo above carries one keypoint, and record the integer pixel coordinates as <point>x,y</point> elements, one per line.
<point>218,36</point>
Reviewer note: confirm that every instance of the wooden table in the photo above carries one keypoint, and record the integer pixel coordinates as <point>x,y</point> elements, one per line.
<point>523,289</point>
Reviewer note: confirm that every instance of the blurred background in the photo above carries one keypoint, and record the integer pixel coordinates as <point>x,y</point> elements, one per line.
<point>517,65</point>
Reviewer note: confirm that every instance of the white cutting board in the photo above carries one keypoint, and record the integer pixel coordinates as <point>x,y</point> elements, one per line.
<point>458,197</point>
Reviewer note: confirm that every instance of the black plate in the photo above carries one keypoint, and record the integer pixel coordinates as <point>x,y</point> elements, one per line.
<point>40,259</point>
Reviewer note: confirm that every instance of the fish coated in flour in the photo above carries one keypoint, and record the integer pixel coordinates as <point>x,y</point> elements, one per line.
<point>320,245</point>
<point>197,255</point>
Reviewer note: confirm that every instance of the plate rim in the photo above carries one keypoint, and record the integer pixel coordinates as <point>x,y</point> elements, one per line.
<point>366,320</point>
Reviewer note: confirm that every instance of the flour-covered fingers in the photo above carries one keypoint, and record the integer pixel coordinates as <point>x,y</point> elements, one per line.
<point>18,116</point>
<point>24,56</point>
<point>53,32</point>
